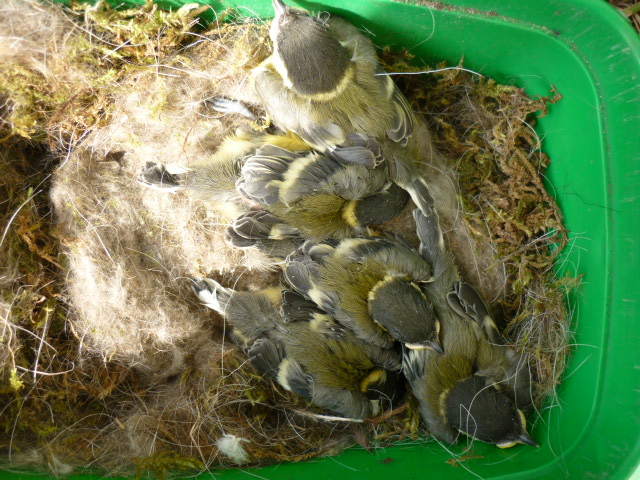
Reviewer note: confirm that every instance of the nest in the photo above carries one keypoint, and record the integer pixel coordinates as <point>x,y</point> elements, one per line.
<point>106,358</point>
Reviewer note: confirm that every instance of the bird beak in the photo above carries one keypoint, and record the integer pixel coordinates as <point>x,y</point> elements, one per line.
<point>429,344</point>
<point>527,440</point>
<point>279,7</point>
<point>522,438</point>
<point>437,347</point>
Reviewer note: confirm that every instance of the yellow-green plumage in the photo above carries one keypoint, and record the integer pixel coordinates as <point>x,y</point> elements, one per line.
<point>369,286</point>
<point>331,367</point>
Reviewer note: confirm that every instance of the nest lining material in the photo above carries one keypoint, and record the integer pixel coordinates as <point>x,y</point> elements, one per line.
<point>106,358</point>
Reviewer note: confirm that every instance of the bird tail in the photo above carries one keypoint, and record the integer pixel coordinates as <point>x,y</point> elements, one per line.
<point>263,174</point>
<point>156,175</point>
<point>264,231</point>
<point>252,314</point>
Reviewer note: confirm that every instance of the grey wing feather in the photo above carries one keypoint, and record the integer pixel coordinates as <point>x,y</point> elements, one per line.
<point>402,127</point>
<point>262,174</point>
<point>431,242</point>
<point>293,377</point>
<point>296,308</point>
<point>466,301</point>
<point>264,231</point>
<point>307,176</point>
<point>359,149</point>
<point>260,225</point>
<point>156,175</point>
<point>266,356</point>
<point>300,272</point>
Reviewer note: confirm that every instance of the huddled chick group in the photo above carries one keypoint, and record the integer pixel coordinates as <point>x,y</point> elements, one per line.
<point>363,316</point>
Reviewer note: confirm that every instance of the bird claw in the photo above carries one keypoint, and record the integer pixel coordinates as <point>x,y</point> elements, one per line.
<point>228,106</point>
<point>206,290</point>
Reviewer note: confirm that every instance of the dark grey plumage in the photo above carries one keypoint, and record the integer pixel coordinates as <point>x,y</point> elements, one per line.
<point>472,407</point>
<point>267,232</point>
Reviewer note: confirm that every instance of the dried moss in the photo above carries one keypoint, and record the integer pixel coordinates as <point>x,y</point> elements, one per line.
<point>67,403</point>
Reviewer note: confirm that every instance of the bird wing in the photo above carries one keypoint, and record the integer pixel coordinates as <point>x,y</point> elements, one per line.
<point>402,122</point>
<point>467,302</point>
<point>307,176</point>
<point>263,173</point>
<point>264,231</point>
<point>266,356</point>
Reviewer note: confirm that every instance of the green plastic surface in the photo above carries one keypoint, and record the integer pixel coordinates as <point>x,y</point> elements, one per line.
<point>592,56</point>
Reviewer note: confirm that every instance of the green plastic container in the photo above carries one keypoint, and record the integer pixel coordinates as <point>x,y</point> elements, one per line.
<point>592,56</point>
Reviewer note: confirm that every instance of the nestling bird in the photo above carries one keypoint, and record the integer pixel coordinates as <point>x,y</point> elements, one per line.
<point>477,387</point>
<point>324,82</point>
<point>318,195</point>
<point>213,180</point>
<point>290,340</point>
<point>308,195</point>
<point>321,83</point>
<point>371,286</point>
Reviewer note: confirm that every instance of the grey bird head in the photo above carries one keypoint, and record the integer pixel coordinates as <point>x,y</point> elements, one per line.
<point>478,409</point>
<point>400,307</point>
<point>310,59</point>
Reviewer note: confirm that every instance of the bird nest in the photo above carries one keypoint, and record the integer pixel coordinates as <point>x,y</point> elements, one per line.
<point>106,358</point>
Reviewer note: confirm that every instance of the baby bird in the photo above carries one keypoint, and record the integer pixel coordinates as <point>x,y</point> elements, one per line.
<point>321,83</point>
<point>372,287</point>
<point>305,351</point>
<point>477,387</point>
<point>324,82</point>
<point>306,194</point>
<point>213,180</point>
<point>317,195</point>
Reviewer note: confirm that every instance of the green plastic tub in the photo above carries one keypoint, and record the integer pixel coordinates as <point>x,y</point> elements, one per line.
<point>592,56</point>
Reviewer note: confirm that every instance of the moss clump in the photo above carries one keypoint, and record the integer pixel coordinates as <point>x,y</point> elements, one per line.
<point>104,92</point>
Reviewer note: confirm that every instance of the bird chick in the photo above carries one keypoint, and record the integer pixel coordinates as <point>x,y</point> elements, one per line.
<point>321,83</point>
<point>315,195</point>
<point>371,286</point>
<point>306,194</point>
<point>324,82</point>
<point>213,180</point>
<point>477,388</point>
<point>305,351</point>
